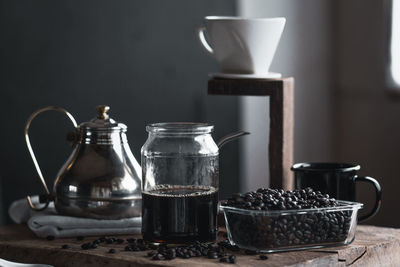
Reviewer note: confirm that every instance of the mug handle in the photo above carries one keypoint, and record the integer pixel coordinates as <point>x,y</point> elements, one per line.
<point>378,196</point>
<point>202,37</point>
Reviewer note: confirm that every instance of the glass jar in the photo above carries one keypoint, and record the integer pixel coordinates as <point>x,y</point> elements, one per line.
<point>179,183</point>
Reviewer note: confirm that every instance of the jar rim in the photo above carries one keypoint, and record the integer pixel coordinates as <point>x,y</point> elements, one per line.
<point>180,127</point>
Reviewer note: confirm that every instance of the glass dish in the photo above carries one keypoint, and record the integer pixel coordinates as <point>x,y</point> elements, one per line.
<point>285,230</point>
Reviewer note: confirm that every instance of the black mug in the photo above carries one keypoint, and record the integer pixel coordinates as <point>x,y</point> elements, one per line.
<point>336,179</point>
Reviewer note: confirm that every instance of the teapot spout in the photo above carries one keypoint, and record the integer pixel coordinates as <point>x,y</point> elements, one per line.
<point>230,137</point>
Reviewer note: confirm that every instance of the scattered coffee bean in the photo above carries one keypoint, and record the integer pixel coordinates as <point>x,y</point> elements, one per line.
<point>158,257</point>
<point>164,252</point>
<point>86,246</point>
<point>212,255</point>
<point>263,257</point>
<point>151,253</point>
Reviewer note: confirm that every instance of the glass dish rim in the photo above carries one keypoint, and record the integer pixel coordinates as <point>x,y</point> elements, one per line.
<point>344,205</point>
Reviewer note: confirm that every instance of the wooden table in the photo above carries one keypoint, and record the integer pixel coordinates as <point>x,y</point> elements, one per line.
<point>374,246</point>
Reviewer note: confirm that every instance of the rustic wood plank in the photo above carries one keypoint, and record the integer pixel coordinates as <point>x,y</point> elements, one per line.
<point>281,93</point>
<point>374,246</point>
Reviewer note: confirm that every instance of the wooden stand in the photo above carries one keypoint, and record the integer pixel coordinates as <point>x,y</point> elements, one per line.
<point>281,93</point>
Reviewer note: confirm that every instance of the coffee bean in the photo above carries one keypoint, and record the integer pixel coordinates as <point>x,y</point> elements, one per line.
<point>212,255</point>
<point>263,257</point>
<point>112,251</point>
<point>158,257</point>
<point>86,246</point>
<point>232,259</point>
<point>151,254</point>
<point>65,246</point>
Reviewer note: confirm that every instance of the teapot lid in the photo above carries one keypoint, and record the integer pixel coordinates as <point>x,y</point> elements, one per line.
<point>103,122</point>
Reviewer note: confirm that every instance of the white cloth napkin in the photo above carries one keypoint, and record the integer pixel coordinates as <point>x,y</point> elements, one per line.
<point>49,223</point>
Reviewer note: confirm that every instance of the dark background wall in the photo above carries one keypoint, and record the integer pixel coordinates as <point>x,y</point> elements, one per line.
<point>140,57</point>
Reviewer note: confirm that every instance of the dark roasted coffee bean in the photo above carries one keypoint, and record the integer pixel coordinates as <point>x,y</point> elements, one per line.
<point>263,257</point>
<point>112,251</point>
<point>151,253</point>
<point>170,257</point>
<point>86,246</point>
<point>65,246</point>
<point>50,237</point>
<point>158,257</point>
<point>232,259</point>
<point>221,254</point>
<point>212,255</point>
<point>119,241</point>
<point>223,259</point>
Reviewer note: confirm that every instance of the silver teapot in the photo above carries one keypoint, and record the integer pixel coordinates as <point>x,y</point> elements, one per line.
<point>101,179</point>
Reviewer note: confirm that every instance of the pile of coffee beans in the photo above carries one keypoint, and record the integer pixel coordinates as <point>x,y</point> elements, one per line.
<point>278,199</point>
<point>286,229</point>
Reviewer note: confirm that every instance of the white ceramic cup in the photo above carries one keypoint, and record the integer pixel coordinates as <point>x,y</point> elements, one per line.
<point>242,45</point>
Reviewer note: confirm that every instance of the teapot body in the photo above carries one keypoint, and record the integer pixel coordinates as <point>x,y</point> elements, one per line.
<point>100,180</point>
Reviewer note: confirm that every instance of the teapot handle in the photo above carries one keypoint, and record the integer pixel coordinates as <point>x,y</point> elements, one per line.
<point>28,144</point>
